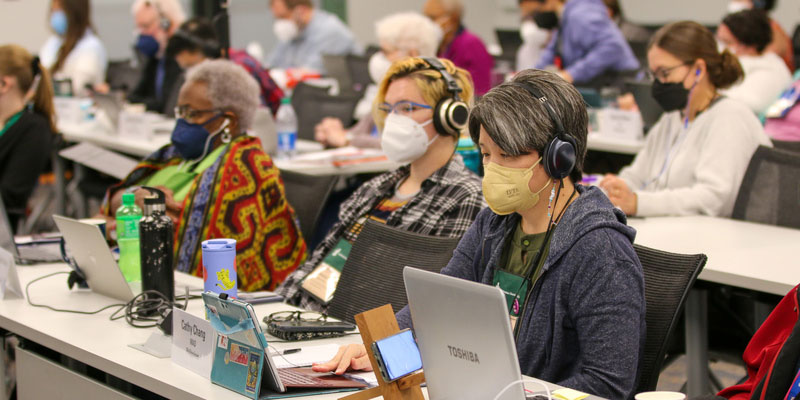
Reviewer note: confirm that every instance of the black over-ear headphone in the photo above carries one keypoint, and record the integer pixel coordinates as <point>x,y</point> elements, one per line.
<point>559,156</point>
<point>451,113</point>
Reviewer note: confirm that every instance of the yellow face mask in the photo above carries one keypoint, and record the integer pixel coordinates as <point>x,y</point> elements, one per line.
<point>506,189</point>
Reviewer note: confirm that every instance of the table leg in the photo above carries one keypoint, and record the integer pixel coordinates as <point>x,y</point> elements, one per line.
<point>697,383</point>
<point>60,184</point>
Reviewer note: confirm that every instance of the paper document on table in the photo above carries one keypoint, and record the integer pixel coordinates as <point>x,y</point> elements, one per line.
<point>305,357</point>
<point>333,156</point>
<point>100,159</point>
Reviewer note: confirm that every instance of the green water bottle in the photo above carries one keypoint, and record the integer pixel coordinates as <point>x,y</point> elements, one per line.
<point>128,216</point>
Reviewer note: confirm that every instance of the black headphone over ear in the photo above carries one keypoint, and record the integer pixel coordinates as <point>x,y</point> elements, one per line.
<point>451,113</point>
<point>559,156</point>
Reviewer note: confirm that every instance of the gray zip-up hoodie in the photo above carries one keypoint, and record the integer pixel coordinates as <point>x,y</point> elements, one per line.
<point>583,326</point>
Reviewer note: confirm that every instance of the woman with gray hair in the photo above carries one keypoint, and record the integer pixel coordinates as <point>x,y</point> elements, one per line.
<point>565,259</point>
<point>218,181</point>
<point>401,35</point>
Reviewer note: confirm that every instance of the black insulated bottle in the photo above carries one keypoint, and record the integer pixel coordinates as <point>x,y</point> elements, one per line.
<point>156,241</point>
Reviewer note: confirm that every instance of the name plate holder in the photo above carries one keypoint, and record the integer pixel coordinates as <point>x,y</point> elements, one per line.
<point>374,325</point>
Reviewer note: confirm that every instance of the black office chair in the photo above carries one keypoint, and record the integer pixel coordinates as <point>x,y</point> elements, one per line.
<point>768,193</point>
<point>307,194</point>
<point>373,273</point>
<point>313,103</point>
<point>358,66</point>
<point>668,277</point>
<point>787,145</point>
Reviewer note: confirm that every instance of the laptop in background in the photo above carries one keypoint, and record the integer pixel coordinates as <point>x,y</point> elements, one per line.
<point>88,247</point>
<point>648,106</point>
<point>30,253</point>
<point>464,335</point>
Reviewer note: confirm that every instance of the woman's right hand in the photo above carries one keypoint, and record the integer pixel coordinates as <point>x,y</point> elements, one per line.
<point>352,357</point>
<point>331,132</point>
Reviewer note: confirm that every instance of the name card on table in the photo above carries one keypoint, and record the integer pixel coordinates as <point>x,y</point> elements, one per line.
<point>620,123</point>
<point>193,341</point>
<point>9,281</point>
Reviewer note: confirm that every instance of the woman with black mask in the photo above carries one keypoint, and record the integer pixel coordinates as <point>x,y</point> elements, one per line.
<point>696,154</point>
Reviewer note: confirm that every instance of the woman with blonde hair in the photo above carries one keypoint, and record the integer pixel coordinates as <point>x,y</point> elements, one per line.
<point>421,117</point>
<point>27,123</point>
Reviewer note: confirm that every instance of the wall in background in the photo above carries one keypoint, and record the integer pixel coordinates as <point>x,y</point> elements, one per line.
<point>25,21</point>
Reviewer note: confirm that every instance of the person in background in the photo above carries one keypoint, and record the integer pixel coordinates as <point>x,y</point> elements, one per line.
<point>560,251</point>
<point>783,117</point>
<point>534,37</point>
<point>218,181</point>
<point>632,32</point>
<point>695,156</point>
<point>74,51</point>
<point>196,41</point>
<point>156,21</point>
<point>459,45</point>
<point>433,193</point>
<point>401,35</point>
<point>306,33</point>
<point>588,49</point>
<point>771,357</point>
<point>27,126</point>
<point>781,43</point>
<point>747,34</point>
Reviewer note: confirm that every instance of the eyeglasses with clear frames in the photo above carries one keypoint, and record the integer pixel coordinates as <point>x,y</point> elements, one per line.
<point>189,113</point>
<point>662,73</point>
<point>404,107</point>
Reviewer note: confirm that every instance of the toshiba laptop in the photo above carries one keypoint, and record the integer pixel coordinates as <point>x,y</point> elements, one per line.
<point>31,253</point>
<point>464,336</point>
<point>88,247</point>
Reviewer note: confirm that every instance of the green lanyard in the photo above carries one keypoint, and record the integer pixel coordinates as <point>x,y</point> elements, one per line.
<point>11,121</point>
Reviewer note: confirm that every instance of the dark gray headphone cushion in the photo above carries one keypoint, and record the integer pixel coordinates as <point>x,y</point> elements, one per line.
<point>559,157</point>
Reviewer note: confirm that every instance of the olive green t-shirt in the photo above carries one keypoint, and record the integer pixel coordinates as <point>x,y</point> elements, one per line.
<point>516,260</point>
<point>179,178</point>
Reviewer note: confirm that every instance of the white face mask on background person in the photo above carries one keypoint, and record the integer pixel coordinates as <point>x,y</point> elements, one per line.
<point>285,29</point>
<point>736,6</point>
<point>533,34</point>
<point>378,65</point>
<point>404,140</point>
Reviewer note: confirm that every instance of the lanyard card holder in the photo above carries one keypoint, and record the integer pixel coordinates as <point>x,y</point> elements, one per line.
<point>241,347</point>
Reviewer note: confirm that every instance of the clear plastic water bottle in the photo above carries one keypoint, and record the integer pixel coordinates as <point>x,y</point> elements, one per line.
<point>128,216</point>
<point>286,124</point>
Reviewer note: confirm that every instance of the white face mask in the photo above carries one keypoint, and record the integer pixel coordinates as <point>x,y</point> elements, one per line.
<point>404,140</point>
<point>736,6</point>
<point>285,29</point>
<point>378,65</point>
<point>533,34</point>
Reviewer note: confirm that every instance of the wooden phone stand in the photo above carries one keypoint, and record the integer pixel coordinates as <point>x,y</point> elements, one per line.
<point>377,324</point>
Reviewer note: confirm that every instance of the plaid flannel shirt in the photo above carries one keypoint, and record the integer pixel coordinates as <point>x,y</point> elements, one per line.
<point>447,203</point>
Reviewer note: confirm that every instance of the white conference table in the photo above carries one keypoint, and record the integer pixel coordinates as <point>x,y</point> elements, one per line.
<point>743,254</point>
<point>103,344</point>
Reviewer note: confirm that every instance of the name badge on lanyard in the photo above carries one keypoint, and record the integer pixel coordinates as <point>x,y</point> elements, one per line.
<point>322,281</point>
<point>795,390</point>
<point>515,288</point>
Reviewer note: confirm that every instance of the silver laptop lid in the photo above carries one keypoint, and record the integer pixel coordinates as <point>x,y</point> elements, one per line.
<point>88,247</point>
<point>6,234</point>
<point>464,336</point>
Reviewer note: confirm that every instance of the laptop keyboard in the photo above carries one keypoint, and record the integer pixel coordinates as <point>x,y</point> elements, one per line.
<point>291,377</point>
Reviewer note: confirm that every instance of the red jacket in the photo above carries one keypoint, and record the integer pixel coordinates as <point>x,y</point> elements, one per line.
<point>772,354</point>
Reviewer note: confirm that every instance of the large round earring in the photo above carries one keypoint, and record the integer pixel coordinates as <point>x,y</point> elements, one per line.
<point>226,135</point>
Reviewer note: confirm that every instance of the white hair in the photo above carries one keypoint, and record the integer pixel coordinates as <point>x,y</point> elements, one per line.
<point>170,9</point>
<point>409,31</point>
<point>230,88</point>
